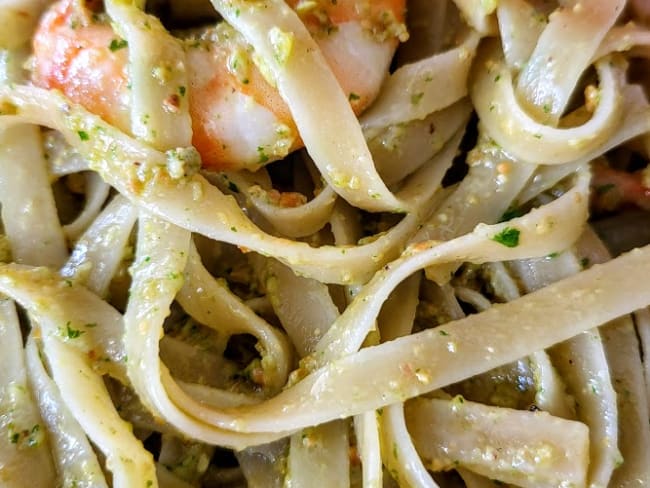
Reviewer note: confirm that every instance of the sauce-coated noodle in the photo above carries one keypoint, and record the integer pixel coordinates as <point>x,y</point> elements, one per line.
<point>302,243</point>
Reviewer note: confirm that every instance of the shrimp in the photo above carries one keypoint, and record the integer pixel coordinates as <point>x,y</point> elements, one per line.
<point>615,188</point>
<point>239,120</point>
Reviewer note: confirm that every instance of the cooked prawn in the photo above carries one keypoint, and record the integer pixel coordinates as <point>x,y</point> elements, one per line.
<point>239,119</point>
<point>615,188</point>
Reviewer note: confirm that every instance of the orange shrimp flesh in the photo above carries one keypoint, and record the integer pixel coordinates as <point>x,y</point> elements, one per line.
<point>77,52</point>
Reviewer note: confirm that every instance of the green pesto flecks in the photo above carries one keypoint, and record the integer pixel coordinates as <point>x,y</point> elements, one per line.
<point>508,237</point>
<point>117,44</point>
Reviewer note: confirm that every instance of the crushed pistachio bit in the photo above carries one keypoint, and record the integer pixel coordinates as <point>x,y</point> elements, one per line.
<point>282,43</point>
<point>383,24</point>
<point>182,162</point>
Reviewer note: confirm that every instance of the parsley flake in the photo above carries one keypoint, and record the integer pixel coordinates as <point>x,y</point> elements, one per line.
<point>508,237</point>
<point>71,333</point>
<point>263,156</point>
<point>511,213</point>
<point>117,44</point>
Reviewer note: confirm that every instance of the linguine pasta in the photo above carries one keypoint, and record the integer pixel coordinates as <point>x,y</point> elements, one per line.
<point>256,243</point>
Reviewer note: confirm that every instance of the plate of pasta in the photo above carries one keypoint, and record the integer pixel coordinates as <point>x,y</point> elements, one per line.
<point>314,243</point>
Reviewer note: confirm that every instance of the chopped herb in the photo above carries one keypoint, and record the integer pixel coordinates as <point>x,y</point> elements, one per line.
<point>553,255</point>
<point>147,259</point>
<point>34,438</point>
<point>497,78</point>
<point>233,228</point>
<point>537,136</point>
<point>444,332</point>
<point>584,262</point>
<point>83,135</point>
<point>182,90</point>
<point>173,275</point>
<point>232,187</point>
<point>546,108</point>
<point>416,97</point>
<point>353,97</point>
<point>71,333</point>
<point>508,237</point>
<point>90,325</point>
<point>117,44</point>
<point>511,213</point>
<point>263,156</point>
